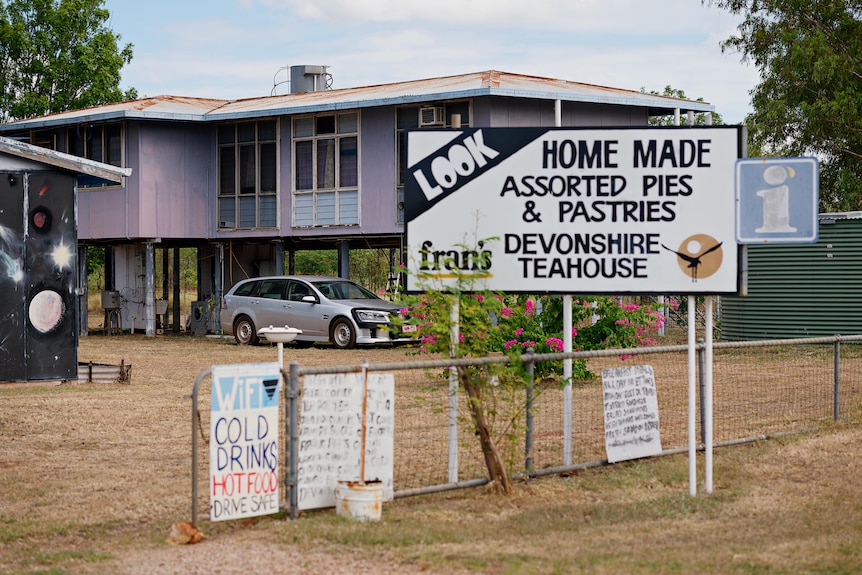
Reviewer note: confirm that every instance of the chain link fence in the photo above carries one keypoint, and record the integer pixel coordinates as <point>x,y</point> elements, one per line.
<point>760,389</point>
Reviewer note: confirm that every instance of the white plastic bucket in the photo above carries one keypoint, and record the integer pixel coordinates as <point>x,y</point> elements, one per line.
<point>359,501</point>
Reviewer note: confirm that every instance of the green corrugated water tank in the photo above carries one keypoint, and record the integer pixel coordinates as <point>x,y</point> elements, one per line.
<point>801,290</point>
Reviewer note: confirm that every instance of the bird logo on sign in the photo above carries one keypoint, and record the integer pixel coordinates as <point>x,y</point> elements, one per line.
<point>699,256</point>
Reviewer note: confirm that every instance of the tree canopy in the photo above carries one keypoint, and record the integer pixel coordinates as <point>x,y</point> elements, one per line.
<point>700,119</point>
<point>809,99</point>
<point>58,55</point>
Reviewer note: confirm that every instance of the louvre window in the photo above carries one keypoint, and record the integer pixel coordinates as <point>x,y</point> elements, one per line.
<point>247,175</point>
<point>326,170</point>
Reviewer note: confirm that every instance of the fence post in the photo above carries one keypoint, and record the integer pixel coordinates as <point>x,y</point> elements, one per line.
<point>454,340</point>
<point>701,351</point>
<point>528,448</point>
<point>836,378</point>
<point>195,424</point>
<point>291,394</point>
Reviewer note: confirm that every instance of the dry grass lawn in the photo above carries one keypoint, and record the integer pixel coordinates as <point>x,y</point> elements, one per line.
<point>94,475</point>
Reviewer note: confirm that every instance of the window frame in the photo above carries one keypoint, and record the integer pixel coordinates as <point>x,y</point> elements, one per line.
<point>325,154</point>
<point>250,151</point>
<point>96,146</point>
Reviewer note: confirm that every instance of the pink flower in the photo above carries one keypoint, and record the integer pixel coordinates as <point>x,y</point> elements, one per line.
<point>427,339</point>
<point>555,344</point>
<point>529,306</point>
<point>519,331</point>
<point>510,343</point>
<point>506,312</point>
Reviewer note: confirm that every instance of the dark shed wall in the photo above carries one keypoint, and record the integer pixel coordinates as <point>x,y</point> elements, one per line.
<point>805,290</point>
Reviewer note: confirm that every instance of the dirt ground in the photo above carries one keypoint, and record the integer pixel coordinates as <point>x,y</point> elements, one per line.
<point>94,475</point>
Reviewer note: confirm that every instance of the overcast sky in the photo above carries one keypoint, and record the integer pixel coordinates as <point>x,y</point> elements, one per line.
<point>237,48</point>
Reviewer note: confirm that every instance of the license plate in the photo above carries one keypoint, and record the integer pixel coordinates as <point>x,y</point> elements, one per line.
<point>409,328</point>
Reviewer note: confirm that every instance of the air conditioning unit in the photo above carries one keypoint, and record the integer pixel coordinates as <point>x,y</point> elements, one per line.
<point>432,116</point>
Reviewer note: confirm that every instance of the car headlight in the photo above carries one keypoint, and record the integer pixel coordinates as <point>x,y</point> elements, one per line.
<point>372,316</point>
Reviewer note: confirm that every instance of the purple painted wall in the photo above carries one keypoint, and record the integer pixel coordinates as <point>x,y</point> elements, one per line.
<point>516,113</point>
<point>176,181</point>
<point>101,214</point>
<point>169,193</point>
<point>378,171</point>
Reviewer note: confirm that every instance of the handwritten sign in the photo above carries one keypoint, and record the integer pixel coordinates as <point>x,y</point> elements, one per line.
<point>244,441</point>
<point>330,435</point>
<point>631,413</point>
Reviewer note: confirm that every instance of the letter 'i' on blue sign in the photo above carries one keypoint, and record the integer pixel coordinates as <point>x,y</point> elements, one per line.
<point>776,200</point>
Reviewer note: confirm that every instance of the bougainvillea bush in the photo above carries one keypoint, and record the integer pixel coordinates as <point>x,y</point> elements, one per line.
<point>489,323</point>
<point>492,322</point>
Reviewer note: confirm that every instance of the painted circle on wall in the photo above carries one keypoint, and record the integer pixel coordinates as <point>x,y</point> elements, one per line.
<point>40,219</point>
<point>46,310</point>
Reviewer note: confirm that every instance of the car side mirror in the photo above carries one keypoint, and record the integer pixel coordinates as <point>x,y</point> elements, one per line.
<point>309,299</point>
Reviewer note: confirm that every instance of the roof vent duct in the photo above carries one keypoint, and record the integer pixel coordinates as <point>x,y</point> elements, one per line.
<point>309,79</point>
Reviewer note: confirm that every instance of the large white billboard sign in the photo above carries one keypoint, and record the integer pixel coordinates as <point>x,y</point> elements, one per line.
<point>643,210</point>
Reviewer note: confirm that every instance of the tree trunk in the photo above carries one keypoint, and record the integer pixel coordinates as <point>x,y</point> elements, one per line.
<point>496,468</point>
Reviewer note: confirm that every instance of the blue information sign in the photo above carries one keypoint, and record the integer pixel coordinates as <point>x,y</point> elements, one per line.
<point>776,200</point>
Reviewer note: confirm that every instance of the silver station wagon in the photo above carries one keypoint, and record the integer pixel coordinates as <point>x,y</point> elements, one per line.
<point>326,309</point>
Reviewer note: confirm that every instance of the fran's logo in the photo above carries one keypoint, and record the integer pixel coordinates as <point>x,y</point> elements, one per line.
<point>472,262</point>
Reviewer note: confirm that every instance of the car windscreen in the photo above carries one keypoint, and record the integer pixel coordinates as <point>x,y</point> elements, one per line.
<point>343,290</point>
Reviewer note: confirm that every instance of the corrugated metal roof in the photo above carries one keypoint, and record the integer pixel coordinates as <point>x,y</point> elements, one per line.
<point>487,83</point>
<point>839,216</point>
<point>61,160</point>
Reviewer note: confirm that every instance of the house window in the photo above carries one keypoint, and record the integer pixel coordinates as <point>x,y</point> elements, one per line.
<point>102,143</point>
<point>326,170</point>
<point>407,118</point>
<point>44,139</point>
<point>247,175</point>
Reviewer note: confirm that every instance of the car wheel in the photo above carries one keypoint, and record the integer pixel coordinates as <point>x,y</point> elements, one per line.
<point>244,331</point>
<point>342,334</point>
